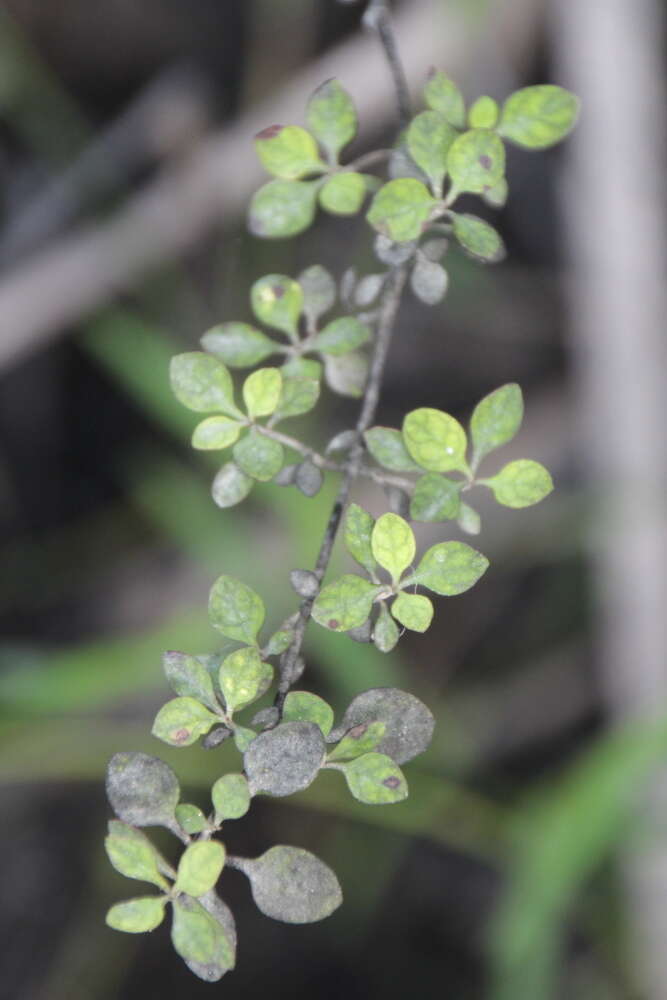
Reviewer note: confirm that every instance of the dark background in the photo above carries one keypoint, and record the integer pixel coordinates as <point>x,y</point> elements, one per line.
<point>520,866</point>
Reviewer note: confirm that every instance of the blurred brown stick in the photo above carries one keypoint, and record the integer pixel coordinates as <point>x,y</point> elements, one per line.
<point>616,222</point>
<point>88,267</point>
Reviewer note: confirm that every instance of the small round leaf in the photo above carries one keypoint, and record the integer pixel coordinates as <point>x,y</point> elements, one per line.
<point>292,885</point>
<point>182,721</point>
<point>344,604</point>
<point>231,797</point>
<point>231,485</point>
<point>435,440</point>
<point>342,335</point>
<point>346,374</point>
<point>235,609</point>
<point>450,568</point>
<point>429,281</point>
<point>520,484</point>
<point>538,117</point>
<point>215,433</point>
<point>200,866</point>
<point>283,208</point>
<point>238,345</point>
<point>261,392</point>
<point>385,633</point>
<point>277,301</point>
<point>332,117</point>
<point>319,291</point>
<point>136,916</point>
<point>190,818</point>
<point>286,759</point>
<point>142,790</point>
<point>476,160</point>
<point>375,780</point>
<point>478,238</point>
<point>288,152</point>
<point>302,706</point>
<point>343,194</point>
<point>244,677</point>
<point>401,209</point>
<point>414,611</point>
<point>202,383</point>
<point>132,854</point>
<point>258,456</point>
<point>428,140</point>
<point>393,544</point>
<point>483,113</point>
<point>388,449</point>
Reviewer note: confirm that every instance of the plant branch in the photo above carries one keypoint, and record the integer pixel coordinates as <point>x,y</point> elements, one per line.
<point>378,19</point>
<point>390,302</point>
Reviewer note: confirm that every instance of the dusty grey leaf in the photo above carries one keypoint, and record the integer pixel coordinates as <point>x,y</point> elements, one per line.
<point>362,633</point>
<point>287,475</point>
<point>409,724</point>
<point>428,281</point>
<point>319,291</point>
<point>308,478</point>
<point>392,253</point>
<point>142,790</point>
<point>286,759</point>
<point>341,442</point>
<point>347,283</point>
<point>368,289</point>
<point>216,736</point>
<point>434,249</point>
<point>304,582</point>
<point>292,885</point>
<point>266,718</point>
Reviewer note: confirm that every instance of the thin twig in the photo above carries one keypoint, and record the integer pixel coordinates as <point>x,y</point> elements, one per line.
<point>378,18</point>
<point>390,303</point>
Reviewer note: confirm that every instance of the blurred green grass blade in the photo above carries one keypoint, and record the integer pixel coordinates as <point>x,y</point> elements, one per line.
<point>559,840</point>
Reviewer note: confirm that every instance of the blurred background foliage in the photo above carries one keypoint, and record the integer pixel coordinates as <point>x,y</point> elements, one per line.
<point>499,878</point>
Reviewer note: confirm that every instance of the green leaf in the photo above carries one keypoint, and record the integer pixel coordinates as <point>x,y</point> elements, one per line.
<point>238,345</point>
<point>478,238</point>
<point>182,721</point>
<point>449,568</point>
<point>187,676</point>
<point>292,885</point>
<point>483,113</point>
<point>358,741</point>
<point>538,117</point>
<point>387,448</point>
<point>435,498</point>
<point>408,722</point>
<point>244,677</point>
<point>298,395</point>
<point>385,633</point>
<point>358,529</point>
<point>235,610</point>
<point>286,759</point>
<point>442,94</point>
<point>343,194</point>
<point>230,796</point>
<point>303,368</point>
<point>319,291</point>
<point>136,916</point>
<point>231,485</point>
<point>476,161</point>
<point>469,520</point>
<point>288,152</point>
<point>428,281</point>
<point>277,301</point>
<point>346,374</point>
<point>200,866</point>
<point>342,335</point>
<point>496,195</point>
<point>202,383</point>
<point>332,117</point>
<point>132,854</point>
<point>435,440</point>
<point>375,779</point>
<point>495,420</point>
<point>206,946</point>
<point>428,140</point>
<point>344,604</point>
<point>261,392</point>
<point>279,642</point>
<point>283,208</point>
<point>414,611</point>
<point>393,544</point>
<point>215,433</point>
<point>142,790</point>
<point>401,209</point>
<point>302,706</point>
<point>520,484</point>
<point>190,818</point>
<point>259,456</point>
<point>243,737</point>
